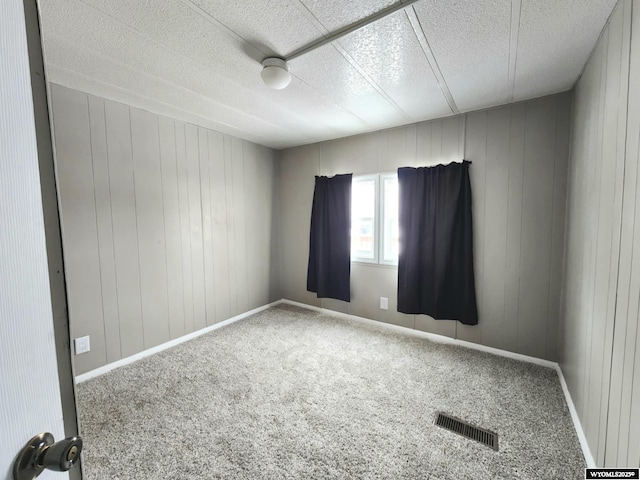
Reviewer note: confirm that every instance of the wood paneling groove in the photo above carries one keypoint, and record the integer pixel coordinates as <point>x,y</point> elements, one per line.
<point>104,217</point>
<point>185,227</point>
<point>121,185</point>
<point>151,230</point>
<point>172,225</point>
<point>195,226</point>
<point>496,202</point>
<point>84,275</point>
<point>600,303</point>
<point>517,135</point>
<point>562,151</point>
<point>596,359</point>
<point>219,225</point>
<point>92,148</point>
<point>231,225</point>
<point>612,420</point>
<point>629,391</point>
<point>137,230</point>
<point>158,225</point>
<point>537,198</point>
<point>205,200</point>
<point>163,232</point>
<point>239,225</point>
<point>551,318</point>
<point>476,151</point>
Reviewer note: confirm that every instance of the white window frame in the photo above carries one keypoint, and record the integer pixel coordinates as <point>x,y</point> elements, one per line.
<point>376,217</point>
<point>381,201</point>
<point>378,221</point>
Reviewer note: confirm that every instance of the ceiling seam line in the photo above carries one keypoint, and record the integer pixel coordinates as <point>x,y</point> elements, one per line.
<point>166,82</point>
<point>174,85</point>
<point>348,29</point>
<point>221,26</point>
<point>370,80</point>
<point>431,59</point>
<point>189,59</point>
<point>342,51</point>
<point>516,12</point>
<point>141,96</point>
<point>308,14</point>
<point>337,105</point>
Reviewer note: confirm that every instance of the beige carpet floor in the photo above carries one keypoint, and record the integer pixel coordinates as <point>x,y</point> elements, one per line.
<point>290,393</point>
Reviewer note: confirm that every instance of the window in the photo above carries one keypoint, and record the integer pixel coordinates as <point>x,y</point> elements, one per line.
<point>374,219</point>
<point>390,229</point>
<point>364,191</point>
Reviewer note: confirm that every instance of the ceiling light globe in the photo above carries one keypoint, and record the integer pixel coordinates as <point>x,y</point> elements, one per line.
<point>275,73</point>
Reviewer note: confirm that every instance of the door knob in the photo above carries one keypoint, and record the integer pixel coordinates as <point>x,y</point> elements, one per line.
<point>41,453</point>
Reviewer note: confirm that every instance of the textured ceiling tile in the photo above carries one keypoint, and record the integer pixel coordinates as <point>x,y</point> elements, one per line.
<point>327,71</point>
<point>470,41</point>
<point>134,51</point>
<point>151,89</point>
<point>337,14</point>
<point>199,60</point>
<point>150,93</point>
<point>276,30</point>
<point>178,28</point>
<point>225,80</point>
<point>390,53</point>
<point>202,43</point>
<point>556,38</point>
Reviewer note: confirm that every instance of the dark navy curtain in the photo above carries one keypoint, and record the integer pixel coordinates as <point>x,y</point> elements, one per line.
<point>329,268</point>
<point>435,264</point>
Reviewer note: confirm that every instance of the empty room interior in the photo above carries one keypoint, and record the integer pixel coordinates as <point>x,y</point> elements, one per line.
<point>300,236</point>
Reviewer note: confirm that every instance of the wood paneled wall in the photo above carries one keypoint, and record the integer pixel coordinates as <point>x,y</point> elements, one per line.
<point>167,227</point>
<point>600,357</point>
<point>519,154</point>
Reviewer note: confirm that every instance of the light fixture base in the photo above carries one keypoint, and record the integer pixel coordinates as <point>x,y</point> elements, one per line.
<point>275,73</point>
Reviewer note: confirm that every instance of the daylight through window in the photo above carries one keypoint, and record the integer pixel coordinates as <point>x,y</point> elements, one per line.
<point>374,219</point>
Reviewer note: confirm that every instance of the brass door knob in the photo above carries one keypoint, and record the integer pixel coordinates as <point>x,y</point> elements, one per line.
<point>41,453</point>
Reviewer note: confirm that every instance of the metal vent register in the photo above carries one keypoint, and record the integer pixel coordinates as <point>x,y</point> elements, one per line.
<point>486,437</point>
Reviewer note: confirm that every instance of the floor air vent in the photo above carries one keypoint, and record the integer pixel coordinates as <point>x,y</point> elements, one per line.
<point>490,439</point>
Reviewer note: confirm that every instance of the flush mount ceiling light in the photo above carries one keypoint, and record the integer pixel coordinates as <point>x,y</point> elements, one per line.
<point>275,73</point>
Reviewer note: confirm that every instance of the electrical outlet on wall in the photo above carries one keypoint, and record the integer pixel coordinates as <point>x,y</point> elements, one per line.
<point>83,345</point>
<point>384,303</point>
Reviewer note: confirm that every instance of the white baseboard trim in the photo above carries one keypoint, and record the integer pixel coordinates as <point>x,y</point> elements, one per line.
<point>431,336</point>
<point>475,346</point>
<point>171,343</point>
<point>586,451</point>
<point>409,331</point>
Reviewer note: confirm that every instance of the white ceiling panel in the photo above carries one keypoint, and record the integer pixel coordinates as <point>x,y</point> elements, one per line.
<point>131,51</point>
<point>470,42</point>
<point>200,60</point>
<point>337,14</point>
<point>194,110</point>
<point>391,55</point>
<point>218,73</point>
<point>147,91</point>
<point>273,31</point>
<point>326,70</point>
<point>556,38</point>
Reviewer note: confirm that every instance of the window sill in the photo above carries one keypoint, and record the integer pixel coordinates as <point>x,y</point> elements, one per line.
<point>371,264</point>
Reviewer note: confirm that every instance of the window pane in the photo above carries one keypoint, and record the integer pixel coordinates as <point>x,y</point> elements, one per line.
<point>390,236</point>
<point>363,227</point>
